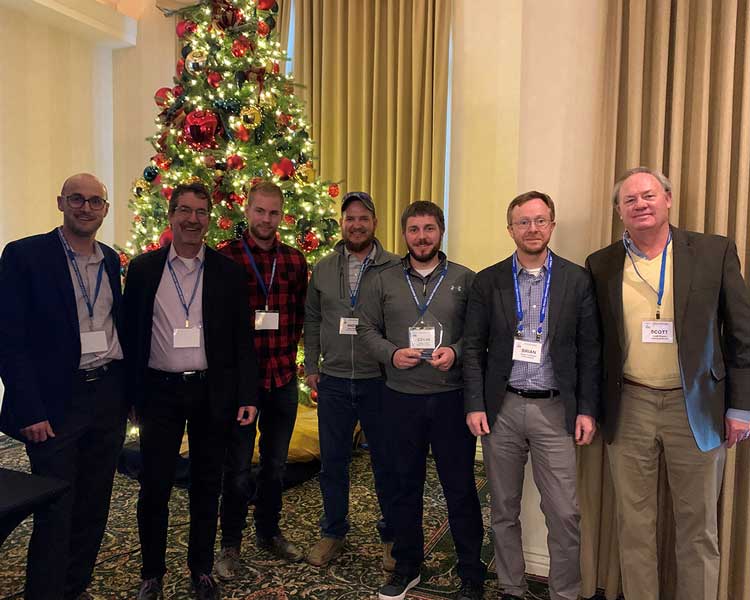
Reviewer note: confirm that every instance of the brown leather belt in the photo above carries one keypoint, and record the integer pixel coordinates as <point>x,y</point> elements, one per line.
<point>648,387</point>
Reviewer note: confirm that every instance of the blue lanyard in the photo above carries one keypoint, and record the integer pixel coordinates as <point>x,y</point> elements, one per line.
<point>178,287</point>
<point>354,294</point>
<point>662,273</point>
<point>265,289</point>
<point>545,297</point>
<point>422,308</point>
<point>84,291</point>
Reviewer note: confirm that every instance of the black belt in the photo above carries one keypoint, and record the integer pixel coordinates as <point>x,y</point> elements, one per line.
<point>532,393</point>
<point>89,375</point>
<point>180,377</point>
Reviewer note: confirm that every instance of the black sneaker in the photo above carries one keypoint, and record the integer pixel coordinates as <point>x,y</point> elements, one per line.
<point>470,590</point>
<point>205,587</point>
<point>397,587</point>
<point>150,589</point>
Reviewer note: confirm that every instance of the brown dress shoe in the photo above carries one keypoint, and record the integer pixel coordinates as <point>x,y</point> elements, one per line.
<point>279,546</point>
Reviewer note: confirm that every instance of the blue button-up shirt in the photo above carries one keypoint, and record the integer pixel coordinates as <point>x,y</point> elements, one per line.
<point>526,375</point>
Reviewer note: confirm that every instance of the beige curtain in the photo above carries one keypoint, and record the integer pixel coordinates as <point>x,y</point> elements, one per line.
<point>677,99</point>
<point>376,84</point>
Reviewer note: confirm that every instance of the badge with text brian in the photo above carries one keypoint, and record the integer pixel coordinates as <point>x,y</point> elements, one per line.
<point>93,341</point>
<point>186,337</point>
<point>348,326</point>
<point>266,319</point>
<point>530,352</point>
<point>657,332</point>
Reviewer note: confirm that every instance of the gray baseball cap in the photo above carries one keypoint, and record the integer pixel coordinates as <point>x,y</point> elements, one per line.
<point>362,197</point>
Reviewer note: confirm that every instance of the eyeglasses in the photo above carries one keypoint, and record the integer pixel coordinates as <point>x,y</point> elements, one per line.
<point>540,222</point>
<point>186,211</point>
<point>78,200</point>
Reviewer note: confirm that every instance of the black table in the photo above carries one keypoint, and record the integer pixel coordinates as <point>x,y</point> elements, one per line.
<point>21,494</point>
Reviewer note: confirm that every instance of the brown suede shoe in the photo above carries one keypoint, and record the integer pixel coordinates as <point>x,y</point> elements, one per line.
<point>326,550</point>
<point>389,563</point>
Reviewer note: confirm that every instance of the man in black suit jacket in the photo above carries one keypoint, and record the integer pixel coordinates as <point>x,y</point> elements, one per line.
<point>60,360</point>
<point>190,359</point>
<point>676,380</point>
<point>531,376</point>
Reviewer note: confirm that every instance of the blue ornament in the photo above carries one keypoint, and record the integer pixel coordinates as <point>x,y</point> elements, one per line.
<point>150,173</point>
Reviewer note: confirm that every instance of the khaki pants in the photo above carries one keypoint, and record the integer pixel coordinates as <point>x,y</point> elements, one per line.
<point>537,425</point>
<point>653,423</point>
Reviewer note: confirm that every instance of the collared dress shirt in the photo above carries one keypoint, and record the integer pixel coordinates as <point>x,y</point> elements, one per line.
<point>169,315</point>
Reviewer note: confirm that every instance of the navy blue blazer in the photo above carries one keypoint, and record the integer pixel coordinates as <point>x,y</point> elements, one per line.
<point>40,341</point>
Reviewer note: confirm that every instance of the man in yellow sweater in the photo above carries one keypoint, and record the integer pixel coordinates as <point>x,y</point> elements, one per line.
<point>675,316</point>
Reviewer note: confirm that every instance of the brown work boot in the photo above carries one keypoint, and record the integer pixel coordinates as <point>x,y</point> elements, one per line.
<point>227,564</point>
<point>389,563</point>
<point>326,550</point>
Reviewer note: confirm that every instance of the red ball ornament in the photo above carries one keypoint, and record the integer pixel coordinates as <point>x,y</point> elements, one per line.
<point>263,28</point>
<point>266,4</point>
<point>214,79</point>
<point>333,190</point>
<point>276,68</point>
<point>152,246</point>
<point>240,46</point>
<point>200,129</point>
<point>308,242</point>
<point>185,28</point>
<point>217,196</point>
<point>236,199</point>
<point>225,223</point>
<point>166,237</point>
<point>163,97</point>
<point>235,162</point>
<point>166,191</point>
<point>180,67</point>
<point>289,219</point>
<point>162,161</point>
<point>284,119</point>
<point>178,91</point>
<point>284,169</point>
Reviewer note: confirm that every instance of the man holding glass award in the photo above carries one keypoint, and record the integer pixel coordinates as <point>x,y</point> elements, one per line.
<point>411,319</point>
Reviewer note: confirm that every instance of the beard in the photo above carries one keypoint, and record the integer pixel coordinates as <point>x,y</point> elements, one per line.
<point>353,246</point>
<point>260,235</point>
<point>426,258</point>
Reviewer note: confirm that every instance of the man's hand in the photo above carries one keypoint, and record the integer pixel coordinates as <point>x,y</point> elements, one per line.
<point>312,381</point>
<point>38,432</point>
<point>736,431</point>
<point>406,358</point>
<point>477,422</point>
<point>246,415</point>
<point>443,358</point>
<point>585,429</point>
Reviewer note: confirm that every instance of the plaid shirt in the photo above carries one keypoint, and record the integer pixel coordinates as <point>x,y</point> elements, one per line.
<point>276,349</point>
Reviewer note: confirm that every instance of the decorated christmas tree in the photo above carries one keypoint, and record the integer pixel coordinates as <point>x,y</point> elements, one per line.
<point>230,119</point>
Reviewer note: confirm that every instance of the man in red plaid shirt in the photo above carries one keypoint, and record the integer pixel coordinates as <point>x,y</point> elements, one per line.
<point>277,285</point>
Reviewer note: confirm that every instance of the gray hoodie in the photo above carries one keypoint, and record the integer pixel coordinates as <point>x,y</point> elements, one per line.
<point>387,310</point>
<point>327,301</point>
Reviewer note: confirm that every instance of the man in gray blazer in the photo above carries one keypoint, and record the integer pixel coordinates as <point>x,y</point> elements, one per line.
<point>531,375</point>
<point>676,380</point>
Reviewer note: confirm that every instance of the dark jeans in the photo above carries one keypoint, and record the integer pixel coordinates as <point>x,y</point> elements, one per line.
<point>418,422</point>
<point>166,409</point>
<point>341,402</point>
<point>276,417</point>
<point>68,532</point>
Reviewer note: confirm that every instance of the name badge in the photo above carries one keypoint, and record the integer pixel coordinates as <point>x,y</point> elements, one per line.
<point>93,341</point>
<point>524,351</point>
<point>186,337</point>
<point>266,319</point>
<point>348,326</point>
<point>657,332</point>
<point>422,337</point>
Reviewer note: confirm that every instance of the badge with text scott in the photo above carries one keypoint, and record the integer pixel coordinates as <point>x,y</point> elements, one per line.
<point>427,333</point>
<point>657,332</point>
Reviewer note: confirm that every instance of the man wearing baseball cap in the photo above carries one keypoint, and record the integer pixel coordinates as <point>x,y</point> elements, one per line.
<point>348,380</point>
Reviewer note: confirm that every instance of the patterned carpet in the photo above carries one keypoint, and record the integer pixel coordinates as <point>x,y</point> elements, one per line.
<point>356,575</point>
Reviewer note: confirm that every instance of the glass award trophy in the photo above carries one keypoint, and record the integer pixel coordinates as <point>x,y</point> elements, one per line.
<point>426,335</point>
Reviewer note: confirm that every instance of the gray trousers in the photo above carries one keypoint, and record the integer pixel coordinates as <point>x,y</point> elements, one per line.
<point>538,425</point>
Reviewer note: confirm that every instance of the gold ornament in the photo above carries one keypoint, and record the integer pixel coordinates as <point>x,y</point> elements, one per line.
<point>196,62</point>
<point>250,116</point>
<point>192,179</point>
<point>140,186</point>
<point>305,174</point>
<point>268,100</point>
